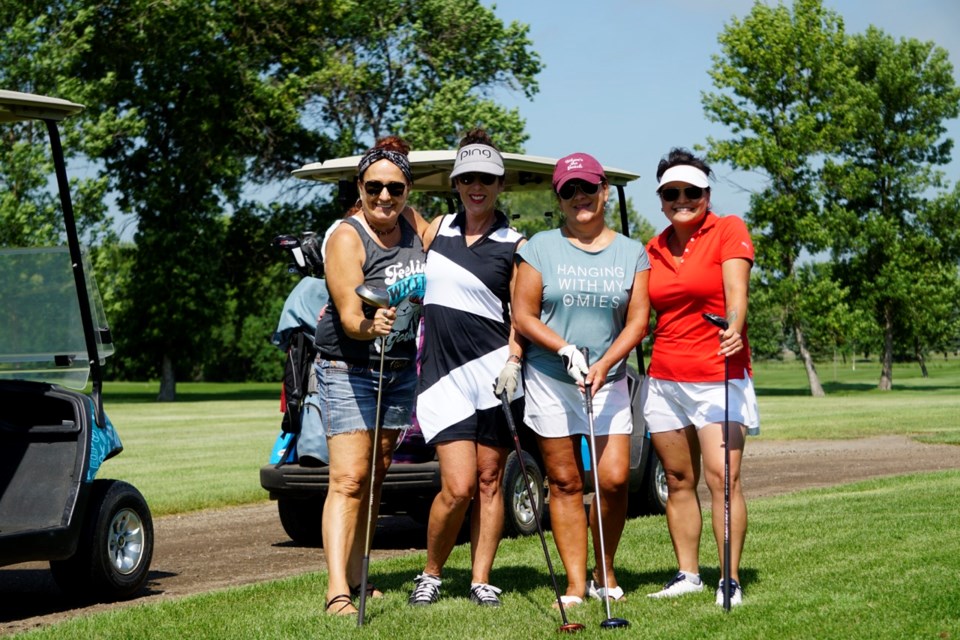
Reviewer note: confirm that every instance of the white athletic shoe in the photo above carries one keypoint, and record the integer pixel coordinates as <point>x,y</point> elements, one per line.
<point>736,593</point>
<point>680,585</point>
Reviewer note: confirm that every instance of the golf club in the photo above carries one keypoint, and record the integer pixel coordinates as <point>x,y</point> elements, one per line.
<point>722,323</point>
<point>378,299</point>
<point>610,622</point>
<point>567,626</point>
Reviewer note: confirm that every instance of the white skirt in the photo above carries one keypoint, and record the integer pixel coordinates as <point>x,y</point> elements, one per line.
<point>556,409</point>
<point>669,405</point>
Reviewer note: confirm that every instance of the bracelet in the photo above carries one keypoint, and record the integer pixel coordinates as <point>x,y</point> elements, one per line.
<point>515,358</point>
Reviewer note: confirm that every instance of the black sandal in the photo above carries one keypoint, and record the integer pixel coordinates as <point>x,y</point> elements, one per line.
<point>344,601</point>
<point>371,591</point>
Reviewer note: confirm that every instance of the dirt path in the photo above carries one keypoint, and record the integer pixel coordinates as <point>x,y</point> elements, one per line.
<point>224,548</point>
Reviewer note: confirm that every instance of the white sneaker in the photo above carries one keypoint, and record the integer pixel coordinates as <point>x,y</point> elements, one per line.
<point>594,590</point>
<point>736,593</point>
<point>680,585</point>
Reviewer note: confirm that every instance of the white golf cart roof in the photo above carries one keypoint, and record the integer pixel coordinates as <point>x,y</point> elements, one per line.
<point>16,106</point>
<point>431,171</point>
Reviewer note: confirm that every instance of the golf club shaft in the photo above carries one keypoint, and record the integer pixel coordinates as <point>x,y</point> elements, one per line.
<point>365,568</point>
<point>726,483</point>
<point>588,398</point>
<point>533,502</point>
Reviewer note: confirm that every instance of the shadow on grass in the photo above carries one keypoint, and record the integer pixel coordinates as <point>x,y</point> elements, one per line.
<point>521,579</point>
<point>200,395</point>
<point>849,388</point>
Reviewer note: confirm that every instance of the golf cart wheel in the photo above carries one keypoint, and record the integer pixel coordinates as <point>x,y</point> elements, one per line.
<point>115,546</point>
<point>302,519</point>
<point>518,513</point>
<point>651,498</point>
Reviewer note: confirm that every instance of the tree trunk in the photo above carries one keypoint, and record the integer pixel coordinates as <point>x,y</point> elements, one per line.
<point>816,390</point>
<point>168,382</point>
<point>886,369</point>
<point>920,359</point>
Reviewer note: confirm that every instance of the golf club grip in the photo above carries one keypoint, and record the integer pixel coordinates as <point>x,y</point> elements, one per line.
<point>717,321</point>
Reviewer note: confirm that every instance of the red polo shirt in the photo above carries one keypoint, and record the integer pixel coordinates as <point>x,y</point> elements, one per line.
<point>685,345</point>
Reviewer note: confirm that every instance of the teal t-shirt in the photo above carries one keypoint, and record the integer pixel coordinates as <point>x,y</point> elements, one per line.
<point>585,295</point>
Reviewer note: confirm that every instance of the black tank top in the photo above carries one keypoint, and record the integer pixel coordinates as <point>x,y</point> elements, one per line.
<point>399,270</point>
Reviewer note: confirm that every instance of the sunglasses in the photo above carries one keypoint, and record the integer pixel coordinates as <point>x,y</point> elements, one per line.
<point>569,190</point>
<point>467,179</point>
<point>670,194</point>
<point>374,188</point>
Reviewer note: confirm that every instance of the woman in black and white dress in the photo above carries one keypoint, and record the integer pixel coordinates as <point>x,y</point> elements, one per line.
<point>468,346</point>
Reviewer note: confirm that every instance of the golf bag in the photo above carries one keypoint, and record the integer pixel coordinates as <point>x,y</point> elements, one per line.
<point>295,336</point>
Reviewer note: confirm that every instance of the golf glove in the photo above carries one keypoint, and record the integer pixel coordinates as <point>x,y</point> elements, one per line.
<point>507,380</point>
<point>574,362</point>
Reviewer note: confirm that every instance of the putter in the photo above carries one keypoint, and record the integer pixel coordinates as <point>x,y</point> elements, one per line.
<point>610,622</point>
<point>720,322</point>
<point>567,626</point>
<point>378,299</point>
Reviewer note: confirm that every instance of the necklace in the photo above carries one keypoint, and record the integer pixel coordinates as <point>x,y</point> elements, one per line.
<point>382,233</point>
<point>378,232</point>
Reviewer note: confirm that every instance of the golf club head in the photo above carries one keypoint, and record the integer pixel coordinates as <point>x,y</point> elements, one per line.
<point>376,297</point>
<point>571,627</point>
<point>614,623</point>
<point>715,320</point>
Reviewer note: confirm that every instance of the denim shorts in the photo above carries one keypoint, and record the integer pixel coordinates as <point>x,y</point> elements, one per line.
<point>348,396</point>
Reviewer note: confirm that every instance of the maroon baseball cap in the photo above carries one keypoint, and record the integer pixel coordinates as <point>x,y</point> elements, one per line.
<point>580,166</point>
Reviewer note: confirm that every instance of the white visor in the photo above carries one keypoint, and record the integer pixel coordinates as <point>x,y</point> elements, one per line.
<point>684,173</point>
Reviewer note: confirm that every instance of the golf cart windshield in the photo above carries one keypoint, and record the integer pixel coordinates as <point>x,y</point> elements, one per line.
<point>41,333</point>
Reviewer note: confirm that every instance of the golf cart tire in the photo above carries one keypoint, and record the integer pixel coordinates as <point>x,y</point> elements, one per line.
<point>518,519</point>
<point>302,519</point>
<point>651,498</point>
<point>115,546</point>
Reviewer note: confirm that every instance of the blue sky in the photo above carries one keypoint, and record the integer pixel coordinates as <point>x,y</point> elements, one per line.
<point>623,78</point>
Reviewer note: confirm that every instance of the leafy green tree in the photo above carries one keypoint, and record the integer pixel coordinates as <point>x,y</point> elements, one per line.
<point>890,252</point>
<point>190,105</point>
<point>424,69</point>
<point>187,83</point>
<point>782,82</point>
<point>30,57</point>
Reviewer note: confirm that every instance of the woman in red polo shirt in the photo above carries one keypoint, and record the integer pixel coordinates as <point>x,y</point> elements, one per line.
<point>699,264</point>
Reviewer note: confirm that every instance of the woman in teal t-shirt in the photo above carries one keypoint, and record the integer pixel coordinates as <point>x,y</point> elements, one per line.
<point>583,285</point>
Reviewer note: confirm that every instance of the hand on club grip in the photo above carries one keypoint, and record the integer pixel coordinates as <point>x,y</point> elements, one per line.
<point>574,362</point>
<point>507,380</point>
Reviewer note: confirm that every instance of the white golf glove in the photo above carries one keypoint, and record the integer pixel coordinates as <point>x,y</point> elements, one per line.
<point>507,380</point>
<point>574,362</point>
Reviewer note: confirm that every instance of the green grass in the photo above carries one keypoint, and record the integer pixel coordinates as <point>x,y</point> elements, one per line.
<point>875,560</point>
<point>202,451</point>
<point>205,449</point>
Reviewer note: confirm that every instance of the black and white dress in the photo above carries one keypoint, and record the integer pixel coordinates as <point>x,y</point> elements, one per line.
<point>466,324</point>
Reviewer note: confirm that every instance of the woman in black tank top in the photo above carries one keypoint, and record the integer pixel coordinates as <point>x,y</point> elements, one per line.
<point>379,245</point>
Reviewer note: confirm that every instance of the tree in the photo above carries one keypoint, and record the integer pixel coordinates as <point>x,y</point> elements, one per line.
<point>29,210</point>
<point>425,69</point>
<point>782,86</point>
<point>889,251</point>
<point>185,84</point>
<point>191,104</point>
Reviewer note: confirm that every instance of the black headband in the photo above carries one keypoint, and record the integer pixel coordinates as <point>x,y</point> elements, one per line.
<point>395,157</point>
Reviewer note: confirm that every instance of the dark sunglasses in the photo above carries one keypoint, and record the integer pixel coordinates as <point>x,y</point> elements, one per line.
<point>670,194</point>
<point>569,190</point>
<point>374,188</point>
<point>467,179</point>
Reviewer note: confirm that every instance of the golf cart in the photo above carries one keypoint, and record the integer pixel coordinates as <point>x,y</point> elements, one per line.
<point>299,484</point>
<point>97,534</point>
